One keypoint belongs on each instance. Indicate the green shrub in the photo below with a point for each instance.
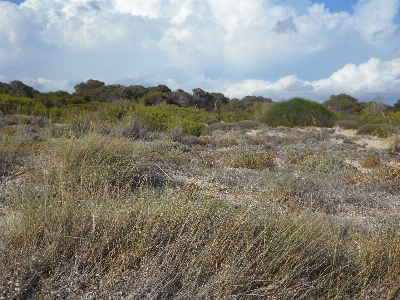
(391, 118)
(236, 111)
(379, 130)
(343, 103)
(248, 160)
(243, 125)
(325, 164)
(164, 117)
(298, 112)
(350, 122)
(21, 105)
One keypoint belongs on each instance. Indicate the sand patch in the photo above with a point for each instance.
(365, 140)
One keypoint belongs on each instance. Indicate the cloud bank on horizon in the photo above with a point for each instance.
(277, 49)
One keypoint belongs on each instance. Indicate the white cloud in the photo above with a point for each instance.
(364, 81)
(183, 9)
(144, 8)
(373, 76)
(48, 85)
(286, 46)
(374, 18)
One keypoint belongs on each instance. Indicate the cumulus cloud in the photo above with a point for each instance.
(374, 76)
(47, 85)
(285, 26)
(374, 18)
(282, 47)
(364, 81)
(144, 8)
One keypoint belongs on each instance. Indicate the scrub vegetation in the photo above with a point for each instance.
(119, 192)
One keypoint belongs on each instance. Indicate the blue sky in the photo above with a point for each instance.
(274, 48)
(339, 5)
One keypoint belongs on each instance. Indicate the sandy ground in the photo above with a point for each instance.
(366, 140)
(362, 140)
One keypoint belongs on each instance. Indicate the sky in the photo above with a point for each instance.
(273, 48)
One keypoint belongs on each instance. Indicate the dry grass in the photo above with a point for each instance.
(105, 216)
(249, 160)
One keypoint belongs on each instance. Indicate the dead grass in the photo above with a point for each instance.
(103, 215)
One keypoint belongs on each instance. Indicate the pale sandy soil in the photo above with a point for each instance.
(362, 140)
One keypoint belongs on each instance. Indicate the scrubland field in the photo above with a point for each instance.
(244, 211)
(128, 201)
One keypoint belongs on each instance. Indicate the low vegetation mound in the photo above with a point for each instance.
(298, 112)
(343, 103)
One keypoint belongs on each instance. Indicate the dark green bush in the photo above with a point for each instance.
(343, 103)
(298, 112)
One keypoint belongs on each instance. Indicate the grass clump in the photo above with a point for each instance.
(298, 112)
(114, 163)
(370, 162)
(325, 164)
(164, 244)
(394, 143)
(249, 160)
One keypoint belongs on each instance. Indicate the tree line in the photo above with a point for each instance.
(95, 90)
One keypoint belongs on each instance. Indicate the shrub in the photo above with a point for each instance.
(379, 130)
(350, 123)
(325, 164)
(132, 127)
(244, 125)
(224, 143)
(392, 118)
(343, 103)
(164, 117)
(248, 160)
(15, 120)
(370, 162)
(298, 112)
(176, 134)
(80, 127)
(21, 105)
(394, 143)
(342, 137)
